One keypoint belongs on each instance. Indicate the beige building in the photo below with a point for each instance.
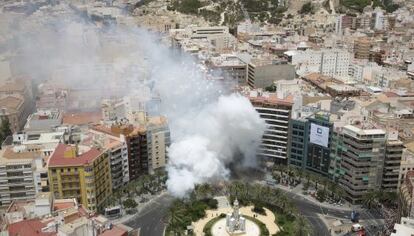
(362, 47)
(16, 103)
(22, 174)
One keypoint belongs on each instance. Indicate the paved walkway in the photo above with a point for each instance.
(268, 219)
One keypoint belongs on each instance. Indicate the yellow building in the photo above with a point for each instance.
(82, 173)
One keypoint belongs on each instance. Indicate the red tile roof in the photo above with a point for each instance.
(58, 206)
(57, 158)
(82, 118)
(28, 227)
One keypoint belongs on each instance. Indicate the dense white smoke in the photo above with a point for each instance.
(210, 127)
(221, 131)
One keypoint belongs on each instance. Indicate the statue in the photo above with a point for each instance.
(235, 224)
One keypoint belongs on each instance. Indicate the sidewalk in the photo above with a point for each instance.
(125, 218)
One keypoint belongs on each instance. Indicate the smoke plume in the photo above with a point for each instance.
(210, 126)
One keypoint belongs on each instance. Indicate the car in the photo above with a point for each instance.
(357, 228)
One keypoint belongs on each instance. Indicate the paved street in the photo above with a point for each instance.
(151, 220)
(311, 210)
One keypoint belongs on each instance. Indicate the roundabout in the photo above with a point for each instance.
(216, 222)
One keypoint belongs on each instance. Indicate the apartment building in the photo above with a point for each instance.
(406, 194)
(16, 103)
(407, 163)
(330, 62)
(392, 163)
(80, 172)
(117, 149)
(358, 152)
(22, 174)
(146, 144)
(276, 112)
(230, 66)
(310, 142)
(362, 48)
(262, 73)
(39, 142)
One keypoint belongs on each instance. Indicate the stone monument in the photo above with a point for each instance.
(235, 224)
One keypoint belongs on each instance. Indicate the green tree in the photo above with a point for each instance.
(130, 203)
(306, 8)
(370, 199)
(4, 129)
(301, 227)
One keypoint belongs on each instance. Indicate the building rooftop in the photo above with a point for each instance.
(12, 103)
(82, 118)
(17, 154)
(66, 155)
(266, 97)
(28, 227)
(363, 131)
(13, 86)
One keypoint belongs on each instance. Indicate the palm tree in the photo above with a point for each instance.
(176, 218)
(370, 198)
(301, 227)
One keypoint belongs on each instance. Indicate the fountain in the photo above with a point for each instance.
(235, 224)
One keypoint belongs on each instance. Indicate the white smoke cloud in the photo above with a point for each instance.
(210, 127)
(222, 130)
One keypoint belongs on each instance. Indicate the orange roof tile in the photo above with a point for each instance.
(58, 206)
(28, 227)
(82, 118)
(57, 158)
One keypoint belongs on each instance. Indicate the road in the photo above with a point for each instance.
(311, 210)
(151, 220)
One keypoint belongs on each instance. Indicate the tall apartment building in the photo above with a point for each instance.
(22, 174)
(158, 139)
(147, 144)
(231, 66)
(80, 172)
(330, 62)
(343, 22)
(362, 48)
(263, 73)
(309, 147)
(117, 149)
(392, 163)
(406, 195)
(276, 113)
(358, 155)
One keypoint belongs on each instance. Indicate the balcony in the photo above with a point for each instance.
(69, 173)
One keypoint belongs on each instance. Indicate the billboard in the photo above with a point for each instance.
(319, 135)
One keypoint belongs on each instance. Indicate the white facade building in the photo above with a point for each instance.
(331, 62)
(20, 178)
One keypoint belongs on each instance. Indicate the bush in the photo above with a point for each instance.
(258, 208)
(130, 203)
(306, 8)
(211, 203)
(321, 195)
